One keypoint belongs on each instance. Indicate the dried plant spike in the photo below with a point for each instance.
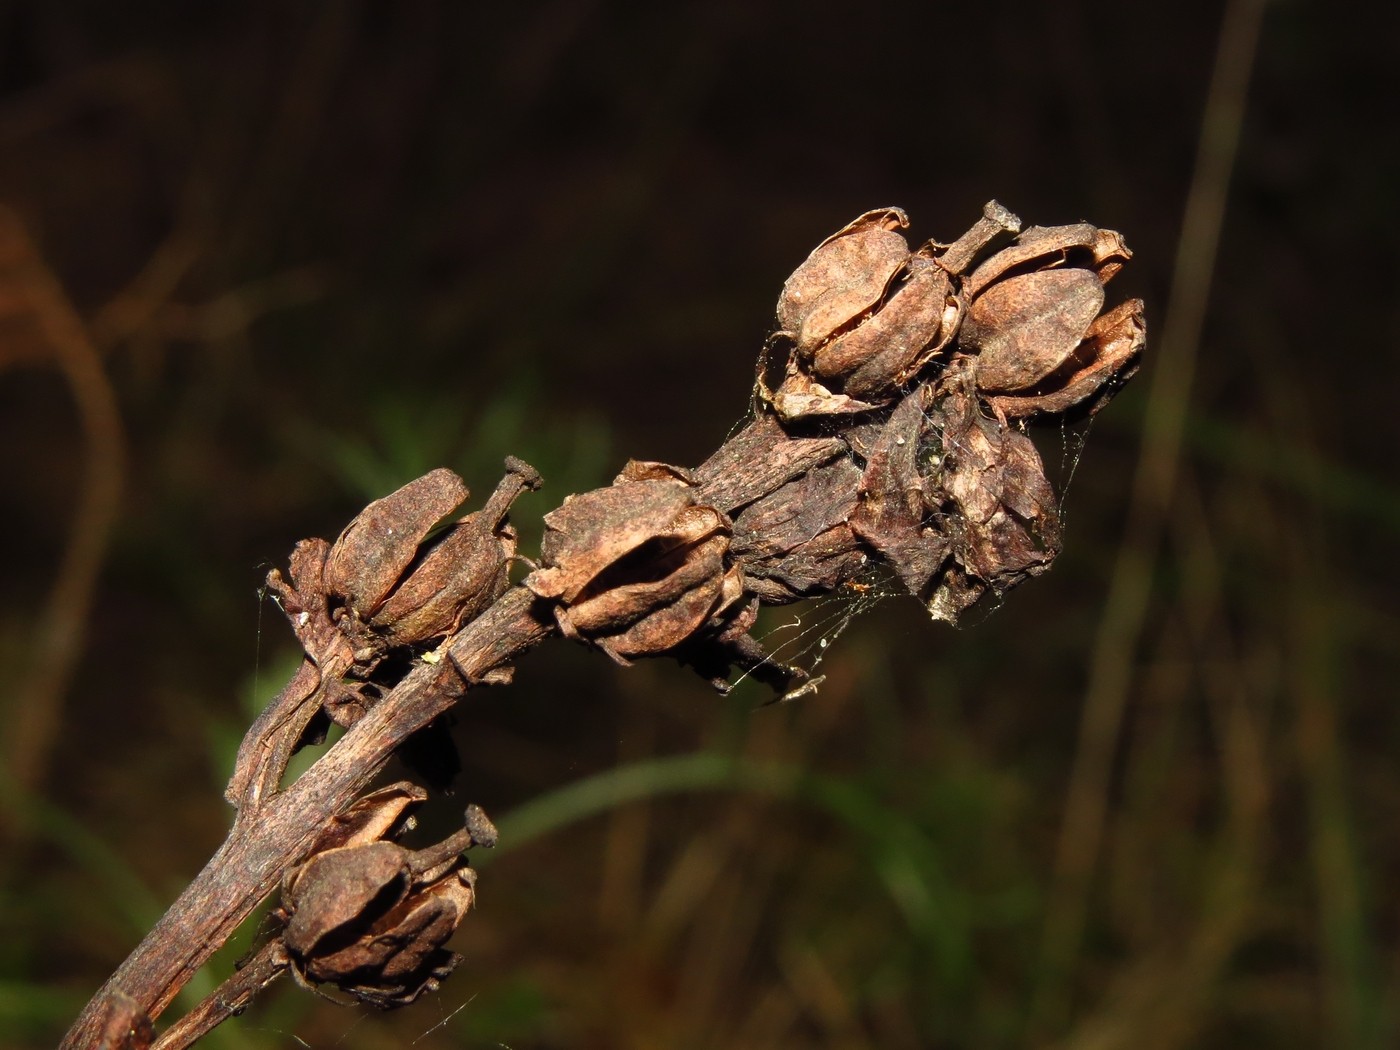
(888, 438)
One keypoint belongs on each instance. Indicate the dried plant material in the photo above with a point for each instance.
(1050, 247)
(997, 507)
(302, 598)
(1105, 360)
(373, 551)
(759, 460)
(895, 514)
(125, 1025)
(795, 542)
(898, 339)
(863, 316)
(800, 396)
(950, 497)
(389, 588)
(1034, 320)
(887, 435)
(1025, 327)
(460, 572)
(381, 814)
(843, 278)
(372, 918)
(636, 568)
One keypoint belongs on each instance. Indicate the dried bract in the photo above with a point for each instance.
(302, 597)
(370, 557)
(639, 567)
(843, 278)
(381, 814)
(1103, 361)
(1025, 327)
(863, 316)
(895, 515)
(372, 917)
(1034, 321)
(461, 572)
(391, 588)
(988, 490)
(896, 340)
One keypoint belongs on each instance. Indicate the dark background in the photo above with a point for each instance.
(281, 258)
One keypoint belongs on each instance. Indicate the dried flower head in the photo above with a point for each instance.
(941, 487)
(373, 918)
(639, 567)
(392, 585)
(864, 317)
(1035, 321)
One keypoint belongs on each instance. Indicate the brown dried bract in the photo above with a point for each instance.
(1103, 361)
(371, 917)
(389, 585)
(639, 567)
(391, 588)
(843, 278)
(992, 499)
(373, 551)
(1034, 321)
(895, 512)
(863, 316)
(896, 341)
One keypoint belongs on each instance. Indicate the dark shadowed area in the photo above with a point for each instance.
(262, 263)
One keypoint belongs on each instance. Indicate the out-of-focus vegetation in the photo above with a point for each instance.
(315, 250)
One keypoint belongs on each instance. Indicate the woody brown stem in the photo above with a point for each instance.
(269, 836)
(230, 999)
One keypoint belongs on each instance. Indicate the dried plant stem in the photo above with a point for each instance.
(266, 838)
(228, 1000)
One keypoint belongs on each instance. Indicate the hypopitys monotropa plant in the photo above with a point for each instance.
(887, 435)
